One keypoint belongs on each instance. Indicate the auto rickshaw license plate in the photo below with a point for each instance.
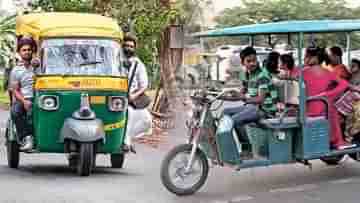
(97, 99)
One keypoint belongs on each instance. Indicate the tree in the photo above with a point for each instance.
(7, 36)
(262, 11)
(145, 19)
(191, 13)
(63, 5)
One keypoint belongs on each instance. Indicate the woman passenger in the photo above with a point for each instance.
(355, 72)
(349, 104)
(289, 73)
(321, 82)
(334, 63)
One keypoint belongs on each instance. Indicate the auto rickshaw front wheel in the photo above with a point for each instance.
(174, 174)
(117, 160)
(13, 153)
(85, 162)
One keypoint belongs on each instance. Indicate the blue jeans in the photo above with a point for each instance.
(242, 115)
(20, 117)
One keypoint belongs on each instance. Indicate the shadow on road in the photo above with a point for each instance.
(62, 171)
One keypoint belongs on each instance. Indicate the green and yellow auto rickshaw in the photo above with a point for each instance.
(80, 92)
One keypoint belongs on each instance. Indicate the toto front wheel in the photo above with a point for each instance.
(174, 175)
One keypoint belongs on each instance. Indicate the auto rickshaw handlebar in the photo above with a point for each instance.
(203, 96)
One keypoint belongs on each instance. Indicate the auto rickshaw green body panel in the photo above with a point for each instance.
(49, 123)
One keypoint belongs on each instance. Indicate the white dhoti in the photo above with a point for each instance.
(139, 124)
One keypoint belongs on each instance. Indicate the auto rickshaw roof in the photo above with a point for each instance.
(57, 24)
(284, 27)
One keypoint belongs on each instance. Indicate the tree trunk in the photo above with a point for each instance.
(167, 69)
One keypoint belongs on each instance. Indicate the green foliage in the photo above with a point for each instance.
(262, 11)
(63, 5)
(147, 20)
(7, 33)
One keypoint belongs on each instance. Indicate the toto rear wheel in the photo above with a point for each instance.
(355, 156)
(332, 160)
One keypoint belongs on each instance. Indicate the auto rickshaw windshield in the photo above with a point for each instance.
(82, 57)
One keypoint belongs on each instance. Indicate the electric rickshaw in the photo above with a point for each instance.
(282, 139)
(80, 91)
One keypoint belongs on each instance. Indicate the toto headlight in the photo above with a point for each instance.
(117, 103)
(49, 103)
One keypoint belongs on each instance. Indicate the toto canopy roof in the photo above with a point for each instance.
(309, 26)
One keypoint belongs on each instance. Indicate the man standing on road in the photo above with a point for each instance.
(139, 119)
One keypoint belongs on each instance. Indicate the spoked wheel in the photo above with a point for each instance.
(174, 175)
(117, 160)
(86, 159)
(332, 160)
(13, 153)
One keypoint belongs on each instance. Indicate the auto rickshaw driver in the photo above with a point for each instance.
(21, 87)
(260, 98)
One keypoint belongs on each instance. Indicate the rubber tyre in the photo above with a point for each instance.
(12, 151)
(164, 173)
(13, 154)
(332, 160)
(117, 160)
(73, 161)
(86, 159)
(355, 156)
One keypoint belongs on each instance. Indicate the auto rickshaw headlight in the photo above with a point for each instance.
(49, 102)
(117, 103)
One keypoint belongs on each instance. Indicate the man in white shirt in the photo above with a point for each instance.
(137, 87)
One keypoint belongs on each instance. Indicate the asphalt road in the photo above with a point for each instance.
(44, 178)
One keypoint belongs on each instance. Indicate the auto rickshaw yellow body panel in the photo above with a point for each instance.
(45, 25)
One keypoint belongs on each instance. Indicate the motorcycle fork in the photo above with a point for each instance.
(195, 138)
